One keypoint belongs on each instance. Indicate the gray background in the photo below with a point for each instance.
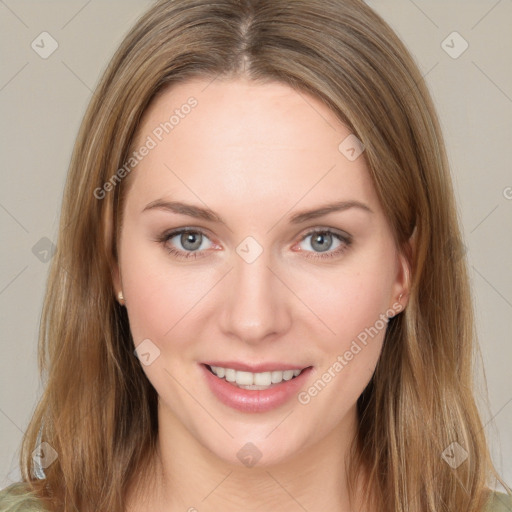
(42, 102)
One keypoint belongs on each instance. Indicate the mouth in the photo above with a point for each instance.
(268, 388)
(255, 381)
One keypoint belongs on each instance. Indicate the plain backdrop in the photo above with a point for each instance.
(42, 101)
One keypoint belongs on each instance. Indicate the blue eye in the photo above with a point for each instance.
(191, 241)
(322, 242)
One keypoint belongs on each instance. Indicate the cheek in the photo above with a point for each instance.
(346, 304)
(349, 355)
(161, 297)
(156, 302)
(350, 306)
(143, 285)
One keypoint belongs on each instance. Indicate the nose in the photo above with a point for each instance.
(257, 303)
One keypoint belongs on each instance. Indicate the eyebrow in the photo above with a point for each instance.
(198, 212)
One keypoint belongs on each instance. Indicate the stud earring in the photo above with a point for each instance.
(120, 297)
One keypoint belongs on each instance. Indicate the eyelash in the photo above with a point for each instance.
(185, 255)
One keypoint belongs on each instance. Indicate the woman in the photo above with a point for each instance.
(258, 300)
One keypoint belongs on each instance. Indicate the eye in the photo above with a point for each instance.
(187, 243)
(191, 241)
(322, 242)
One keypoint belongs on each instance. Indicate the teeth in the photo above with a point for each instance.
(244, 378)
(230, 375)
(249, 380)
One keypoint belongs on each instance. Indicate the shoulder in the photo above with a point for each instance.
(498, 502)
(17, 497)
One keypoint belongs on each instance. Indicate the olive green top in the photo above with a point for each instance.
(15, 498)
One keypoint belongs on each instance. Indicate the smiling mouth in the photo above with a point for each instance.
(254, 381)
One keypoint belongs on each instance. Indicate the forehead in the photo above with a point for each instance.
(238, 111)
(246, 142)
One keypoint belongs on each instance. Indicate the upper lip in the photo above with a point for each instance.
(255, 368)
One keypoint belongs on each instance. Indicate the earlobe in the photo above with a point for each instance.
(117, 284)
(403, 281)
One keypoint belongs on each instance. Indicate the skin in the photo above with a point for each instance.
(255, 155)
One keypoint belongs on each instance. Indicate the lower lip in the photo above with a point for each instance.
(247, 400)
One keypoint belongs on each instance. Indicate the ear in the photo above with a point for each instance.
(109, 240)
(402, 284)
(116, 278)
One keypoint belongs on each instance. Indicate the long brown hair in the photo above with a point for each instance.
(99, 411)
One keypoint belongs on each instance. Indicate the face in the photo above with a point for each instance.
(220, 265)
